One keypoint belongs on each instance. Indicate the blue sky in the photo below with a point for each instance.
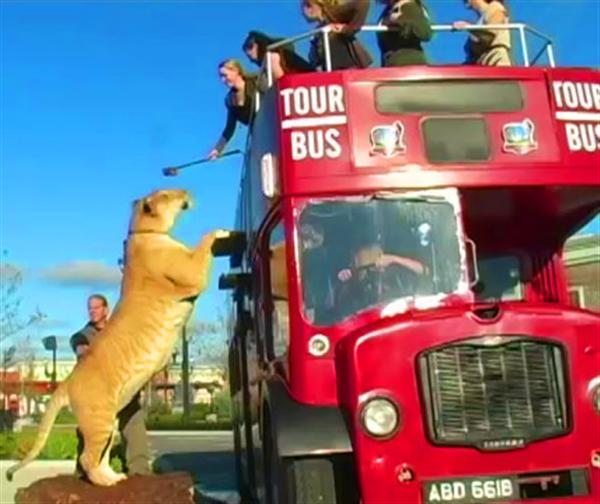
(97, 96)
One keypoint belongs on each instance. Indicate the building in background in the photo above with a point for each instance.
(204, 382)
(26, 385)
(582, 259)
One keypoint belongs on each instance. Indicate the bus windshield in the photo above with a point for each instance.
(361, 253)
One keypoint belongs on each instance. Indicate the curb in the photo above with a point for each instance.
(190, 433)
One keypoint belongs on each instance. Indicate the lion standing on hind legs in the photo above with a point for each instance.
(161, 280)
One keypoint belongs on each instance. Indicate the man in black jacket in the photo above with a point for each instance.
(131, 417)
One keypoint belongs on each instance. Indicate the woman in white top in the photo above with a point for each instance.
(488, 47)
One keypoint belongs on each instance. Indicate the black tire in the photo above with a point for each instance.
(237, 450)
(297, 481)
(312, 481)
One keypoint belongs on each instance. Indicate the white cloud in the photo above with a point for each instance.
(83, 274)
(9, 271)
(47, 324)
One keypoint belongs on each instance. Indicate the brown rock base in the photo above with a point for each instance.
(174, 488)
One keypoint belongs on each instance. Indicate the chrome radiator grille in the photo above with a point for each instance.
(494, 396)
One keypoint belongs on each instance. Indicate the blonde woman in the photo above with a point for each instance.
(488, 47)
(239, 100)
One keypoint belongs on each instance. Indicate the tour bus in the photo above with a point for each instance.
(401, 328)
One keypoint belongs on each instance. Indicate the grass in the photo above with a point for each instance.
(62, 441)
(61, 445)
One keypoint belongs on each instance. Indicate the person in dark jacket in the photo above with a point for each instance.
(345, 18)
(239, 101)
(131, 418)
(283, 60)
(409, 27)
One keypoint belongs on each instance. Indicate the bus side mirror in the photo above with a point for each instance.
(233, 281)
(231, 246)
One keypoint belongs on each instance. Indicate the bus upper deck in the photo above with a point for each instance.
(428, 126)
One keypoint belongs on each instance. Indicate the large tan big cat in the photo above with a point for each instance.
(161, 280)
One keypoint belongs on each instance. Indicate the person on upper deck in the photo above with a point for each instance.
(345, 18)
(410, 26)
(283, 60)
(487, 47)
(239, 101)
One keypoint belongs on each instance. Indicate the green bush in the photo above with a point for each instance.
(222, 404)
(191, 426)
(175, 421)
(200, 411)
(159, 408)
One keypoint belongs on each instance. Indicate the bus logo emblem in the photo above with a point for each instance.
(388, 141)
(519, 137)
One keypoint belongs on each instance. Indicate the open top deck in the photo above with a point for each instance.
(419, 127)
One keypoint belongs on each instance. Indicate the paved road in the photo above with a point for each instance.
(208, 456)
(181, 442)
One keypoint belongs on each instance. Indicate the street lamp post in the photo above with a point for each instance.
(185, 376)
(50, 345)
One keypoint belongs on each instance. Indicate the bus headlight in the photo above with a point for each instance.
(319, 345)
(380, 417)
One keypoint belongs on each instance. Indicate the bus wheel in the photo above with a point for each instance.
(237, 450)
(297, 481)
(312, 481)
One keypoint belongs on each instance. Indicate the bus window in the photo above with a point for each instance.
(279, 291)
(500, 279)
(362, 253)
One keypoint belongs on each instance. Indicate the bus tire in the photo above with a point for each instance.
(297, 480)
(237, 450)
(312, 480)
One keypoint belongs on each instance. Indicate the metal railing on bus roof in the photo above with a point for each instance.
(521, 28)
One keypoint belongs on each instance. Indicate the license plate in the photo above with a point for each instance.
(471, 490)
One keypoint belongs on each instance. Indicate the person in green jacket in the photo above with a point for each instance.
(409, 26)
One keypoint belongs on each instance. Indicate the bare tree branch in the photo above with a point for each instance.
(11, 321)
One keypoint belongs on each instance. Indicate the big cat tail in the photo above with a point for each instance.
(59, 399)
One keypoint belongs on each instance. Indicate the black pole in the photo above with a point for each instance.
(185, 376)
(54, 368)
(172, 171)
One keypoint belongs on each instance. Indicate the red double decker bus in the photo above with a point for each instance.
(401, 325)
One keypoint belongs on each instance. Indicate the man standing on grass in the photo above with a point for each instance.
(131, 417)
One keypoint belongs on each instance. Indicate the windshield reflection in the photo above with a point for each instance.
(357, 254)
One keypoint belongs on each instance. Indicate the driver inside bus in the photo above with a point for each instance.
(376, 277)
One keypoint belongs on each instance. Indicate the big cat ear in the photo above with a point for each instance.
(135, 202)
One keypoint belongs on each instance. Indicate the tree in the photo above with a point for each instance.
(210, 343)
(193, 329)
(11, 322)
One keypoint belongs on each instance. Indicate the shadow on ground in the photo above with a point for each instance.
(213, 474)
